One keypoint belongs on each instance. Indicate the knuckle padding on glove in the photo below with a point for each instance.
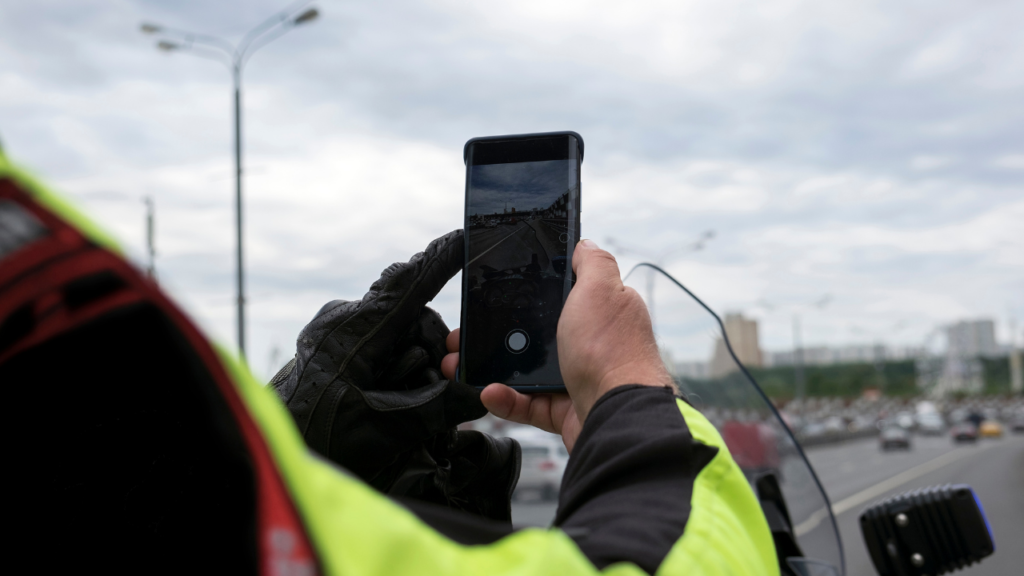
(424, 347)
(374, 426)
(411, 361)
(387, 401)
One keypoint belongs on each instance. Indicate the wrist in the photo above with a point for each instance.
(651, 374)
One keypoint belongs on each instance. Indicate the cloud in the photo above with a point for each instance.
(925, 163)
(1010, 162)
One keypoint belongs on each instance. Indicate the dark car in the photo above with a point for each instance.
(964, 432)
(894, 437)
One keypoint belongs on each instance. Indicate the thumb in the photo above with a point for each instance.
(594, 265)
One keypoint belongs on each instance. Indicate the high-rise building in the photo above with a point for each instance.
(743, 336)
(972, 338)
(961, 371)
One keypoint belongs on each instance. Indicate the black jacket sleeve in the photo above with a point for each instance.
(626, 492)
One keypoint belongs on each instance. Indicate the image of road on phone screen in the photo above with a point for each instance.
(518, 221)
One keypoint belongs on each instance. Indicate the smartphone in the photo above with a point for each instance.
(522, 224)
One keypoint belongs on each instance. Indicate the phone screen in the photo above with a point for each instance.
(522, 223)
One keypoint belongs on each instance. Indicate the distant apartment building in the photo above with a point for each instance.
(743, 336)
(960, 370)
(824, 356)
(972, 338)
(694, 370)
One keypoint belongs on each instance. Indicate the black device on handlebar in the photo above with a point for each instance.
(928, 531)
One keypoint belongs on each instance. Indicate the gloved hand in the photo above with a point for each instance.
(366, 391)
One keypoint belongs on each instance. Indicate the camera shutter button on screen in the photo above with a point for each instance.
(517, 341)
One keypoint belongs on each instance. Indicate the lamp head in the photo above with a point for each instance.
(167, 45)
(149, 28)
(307, 16)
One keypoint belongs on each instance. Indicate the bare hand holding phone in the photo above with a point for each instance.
(605, 340)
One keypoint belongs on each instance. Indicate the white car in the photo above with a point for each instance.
(931, 424)
(544, 461)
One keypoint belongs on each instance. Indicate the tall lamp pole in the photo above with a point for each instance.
(798, 348)
(235, 56)
(150, 237)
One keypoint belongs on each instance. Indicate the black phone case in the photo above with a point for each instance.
(465, 224)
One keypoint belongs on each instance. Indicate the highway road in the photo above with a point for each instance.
(856, 474)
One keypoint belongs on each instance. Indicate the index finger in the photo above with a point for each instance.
(397, 298)
(544, 411)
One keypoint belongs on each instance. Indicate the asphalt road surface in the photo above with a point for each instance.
(857, 474)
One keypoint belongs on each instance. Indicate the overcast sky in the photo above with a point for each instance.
(870, 150)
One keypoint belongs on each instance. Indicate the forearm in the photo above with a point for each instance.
(627, 490)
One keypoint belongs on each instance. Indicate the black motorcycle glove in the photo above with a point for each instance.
(365, 391)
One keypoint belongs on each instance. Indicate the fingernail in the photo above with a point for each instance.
(588, 243)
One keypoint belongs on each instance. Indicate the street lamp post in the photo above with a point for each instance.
(659, 260)
(798, 363)
(150, 237)
(798, 352)
(798, 347)
(235, 57)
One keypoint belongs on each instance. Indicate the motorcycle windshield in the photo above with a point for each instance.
(693, 347)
